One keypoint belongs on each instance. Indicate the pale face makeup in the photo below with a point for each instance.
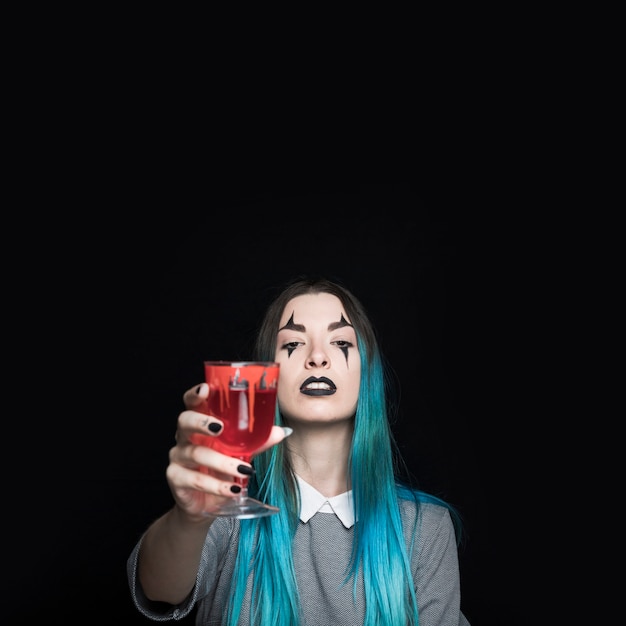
(320, 367)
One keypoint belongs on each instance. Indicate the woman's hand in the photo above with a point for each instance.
(199, 477)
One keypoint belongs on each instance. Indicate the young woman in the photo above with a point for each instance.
(351, 545)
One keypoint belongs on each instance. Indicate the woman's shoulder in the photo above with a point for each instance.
(431, 511)
(430, 522)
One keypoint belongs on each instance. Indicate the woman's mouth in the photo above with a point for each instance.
(318, 386)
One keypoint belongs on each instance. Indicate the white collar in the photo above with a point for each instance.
(312, 502)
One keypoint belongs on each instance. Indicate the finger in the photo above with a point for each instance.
(182, 478)
(276, 436)
(207, 459)
(193, 422)
(196, 396)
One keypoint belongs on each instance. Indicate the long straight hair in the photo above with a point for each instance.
(379, 549)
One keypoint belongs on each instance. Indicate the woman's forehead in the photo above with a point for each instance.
(320, 308)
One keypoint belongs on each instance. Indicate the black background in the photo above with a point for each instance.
(132, 301)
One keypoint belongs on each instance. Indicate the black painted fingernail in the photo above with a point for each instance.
(214, 427)
(245, 469)
(235, 488)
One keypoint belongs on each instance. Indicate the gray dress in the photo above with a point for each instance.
(321, 552)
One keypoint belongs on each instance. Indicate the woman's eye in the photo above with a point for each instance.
(291, 345)
(343, 344)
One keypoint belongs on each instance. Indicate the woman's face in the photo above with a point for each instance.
(320, 368)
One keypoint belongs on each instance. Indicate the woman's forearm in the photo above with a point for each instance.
(170, 556)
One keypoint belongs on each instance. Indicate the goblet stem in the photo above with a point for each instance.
(243, 483)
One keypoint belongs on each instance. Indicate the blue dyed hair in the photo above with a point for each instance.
(379, 549)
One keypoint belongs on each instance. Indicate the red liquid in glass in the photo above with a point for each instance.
(246, 402)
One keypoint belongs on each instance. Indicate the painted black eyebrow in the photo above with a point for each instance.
(291, 325)
(343, 322)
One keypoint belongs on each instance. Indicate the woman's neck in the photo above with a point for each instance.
(320, 455)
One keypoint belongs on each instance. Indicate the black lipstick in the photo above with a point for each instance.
(322, 386)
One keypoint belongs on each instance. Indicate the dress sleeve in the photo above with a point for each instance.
(156, 611)
(213, 556)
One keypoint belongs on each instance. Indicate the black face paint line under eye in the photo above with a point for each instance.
(344, 349)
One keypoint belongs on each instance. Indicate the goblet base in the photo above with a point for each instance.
(242, 508)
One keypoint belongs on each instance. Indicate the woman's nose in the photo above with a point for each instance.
(318, 358)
